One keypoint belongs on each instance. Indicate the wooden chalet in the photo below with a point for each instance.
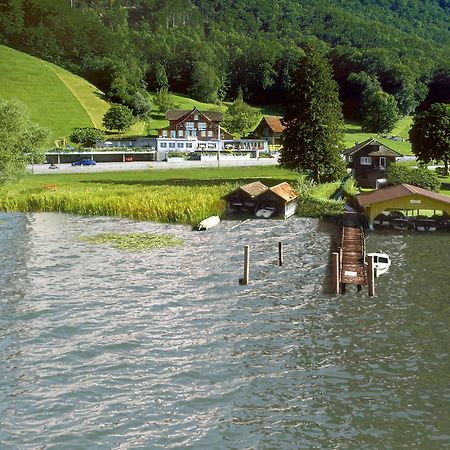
(269, 128)
(243, 199)
(282, 197)
(369, 161)
(194, 124)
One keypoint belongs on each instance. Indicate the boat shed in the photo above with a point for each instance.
(282, 197)
(243, 199)
(402, 197)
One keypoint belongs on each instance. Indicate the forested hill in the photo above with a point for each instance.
(210, 49)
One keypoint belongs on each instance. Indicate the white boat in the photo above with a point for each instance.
(381, 262)
(266, 212)
(208, 223)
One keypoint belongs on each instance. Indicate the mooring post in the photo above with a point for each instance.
(246, 265)
(280, 253)
(335, 268)
(371, 276)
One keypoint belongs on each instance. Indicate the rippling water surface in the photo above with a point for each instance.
(164, 349)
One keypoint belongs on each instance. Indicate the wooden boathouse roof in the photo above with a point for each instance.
(285, 191)
(252, 190)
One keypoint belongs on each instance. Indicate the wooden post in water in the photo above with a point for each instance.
(280, 253)
(336, 274)
(371, 276)
(246, 266)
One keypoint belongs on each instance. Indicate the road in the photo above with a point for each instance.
(145, 165)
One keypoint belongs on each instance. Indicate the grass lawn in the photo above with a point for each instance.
(33, 82)
(177, 195)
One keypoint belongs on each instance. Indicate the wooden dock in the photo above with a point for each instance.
(352, 252)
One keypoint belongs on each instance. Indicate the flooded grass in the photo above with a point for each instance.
(134, 242)
(171, 196)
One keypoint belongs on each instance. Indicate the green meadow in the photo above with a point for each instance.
(33, 81)
(178, 195)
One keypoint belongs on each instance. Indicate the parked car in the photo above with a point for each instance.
(84, 162)
(128, 159)
(53, 166)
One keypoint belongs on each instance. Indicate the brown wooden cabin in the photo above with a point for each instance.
(269, 128)
(194, 124)
(369, 161)
(282, 197)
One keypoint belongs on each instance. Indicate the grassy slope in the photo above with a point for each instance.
(50, 102)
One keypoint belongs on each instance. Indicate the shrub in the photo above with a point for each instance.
(420, 176)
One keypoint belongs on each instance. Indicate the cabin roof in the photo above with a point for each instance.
(176, 114)
(383, 150)
(275, 123)
(254, 189)
(285, 191)
(397, 191)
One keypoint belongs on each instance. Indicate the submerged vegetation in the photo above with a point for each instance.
(134, 241)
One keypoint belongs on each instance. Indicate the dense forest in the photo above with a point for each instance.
(211, 49)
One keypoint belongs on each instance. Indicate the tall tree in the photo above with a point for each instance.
(379, 111)
(313, 138)
(21, 140)
(118, 117)
(430, 134)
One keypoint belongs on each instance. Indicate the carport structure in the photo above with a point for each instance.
(402, 197)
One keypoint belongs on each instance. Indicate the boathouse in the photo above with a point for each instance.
(243, 199)
(282, 197)
(402, 197)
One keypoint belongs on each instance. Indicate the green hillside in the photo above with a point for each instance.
(56, 98)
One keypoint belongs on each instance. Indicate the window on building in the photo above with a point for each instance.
(188, 144)
(163, 144)
(210, 133)
(189, 125)
(171, 144)
(366, 161)
(194, 133)
(164, 133)
(201, 126)
(195, 116)
(180, 133)
(180, 144)
(173, 134)
(203, 133)
(350, 158)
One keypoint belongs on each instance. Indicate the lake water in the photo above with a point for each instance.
(103, 349)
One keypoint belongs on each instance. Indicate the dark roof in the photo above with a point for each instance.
(175, 114)
(397, 191)
(285, 191)
(383, 150)
(274, 123)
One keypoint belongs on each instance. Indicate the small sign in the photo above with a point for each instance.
(414, 201)
(350, 274)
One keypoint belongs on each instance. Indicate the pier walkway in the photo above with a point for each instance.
(352, 252)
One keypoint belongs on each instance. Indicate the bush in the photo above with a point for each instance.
(421, 177)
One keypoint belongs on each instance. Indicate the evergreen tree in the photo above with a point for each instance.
(313, 138)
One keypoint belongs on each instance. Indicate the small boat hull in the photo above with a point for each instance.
(381, 263)
(208, 223)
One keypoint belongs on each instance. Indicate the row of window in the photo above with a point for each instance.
(188, 133)
(175, 145)
(191, 126)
